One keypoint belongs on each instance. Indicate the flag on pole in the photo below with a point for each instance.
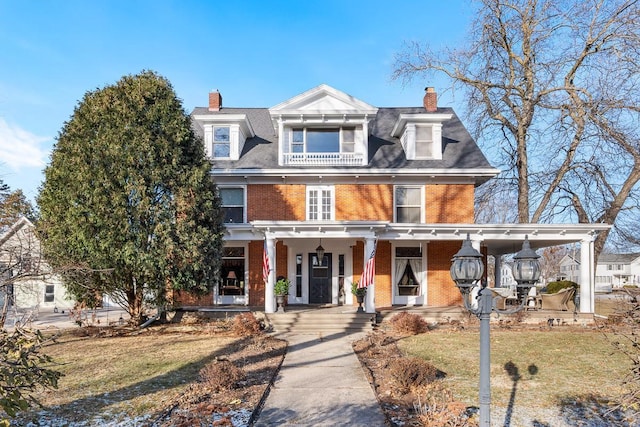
(369, 269)
(266, 269)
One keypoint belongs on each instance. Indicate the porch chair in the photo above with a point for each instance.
(558, 301)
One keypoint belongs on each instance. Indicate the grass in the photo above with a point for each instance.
(542, 367)
(125, 376)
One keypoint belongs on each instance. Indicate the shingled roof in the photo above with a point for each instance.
(385, 151)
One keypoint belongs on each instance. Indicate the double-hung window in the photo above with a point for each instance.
(408, 204)
(424, 142)
(233, 203)
(320, 203)
(221, 142)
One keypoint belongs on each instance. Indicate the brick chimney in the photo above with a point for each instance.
(215, 101)
(430, 101)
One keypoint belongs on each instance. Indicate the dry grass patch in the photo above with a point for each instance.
(126, 376)
(540, 367)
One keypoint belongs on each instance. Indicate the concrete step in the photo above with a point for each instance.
(320, 321)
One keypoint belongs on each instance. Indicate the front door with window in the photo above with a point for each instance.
(320, 279)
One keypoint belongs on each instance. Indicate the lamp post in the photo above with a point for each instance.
(466, 270)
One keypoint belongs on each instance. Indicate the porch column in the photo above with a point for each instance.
(587, 277)
(269, 295)
(497, 271)
(476, 289)
(370, 300)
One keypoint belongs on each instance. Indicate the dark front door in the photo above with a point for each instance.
(320, 280)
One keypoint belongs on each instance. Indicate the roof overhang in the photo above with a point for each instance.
(498, 239)
(227, 119)
(403, 119)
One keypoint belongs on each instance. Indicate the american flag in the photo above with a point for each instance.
(369, 269)
(265, 264)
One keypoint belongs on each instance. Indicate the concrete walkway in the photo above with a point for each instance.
(321, 383)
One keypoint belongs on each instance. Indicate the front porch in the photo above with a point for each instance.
(341, 319)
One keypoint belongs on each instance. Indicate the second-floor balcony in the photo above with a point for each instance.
(323, 159)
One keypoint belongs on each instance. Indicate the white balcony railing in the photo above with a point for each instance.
(323, 159)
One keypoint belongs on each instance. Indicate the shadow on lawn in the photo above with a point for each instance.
(92, 406)
(591, 410)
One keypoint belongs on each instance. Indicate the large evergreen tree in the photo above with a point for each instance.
(128, 207)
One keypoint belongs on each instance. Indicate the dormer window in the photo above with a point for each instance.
(221, 142)
(424, 142)
(421, 135)
(225, 134)
(323, 127)
(323, 140)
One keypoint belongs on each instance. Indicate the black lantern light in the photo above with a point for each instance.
(526, 268)
(320, 253)
(466, 267)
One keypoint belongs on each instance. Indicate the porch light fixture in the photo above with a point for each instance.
(466, 271)
(320, 253)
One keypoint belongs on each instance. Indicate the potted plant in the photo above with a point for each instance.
(359, 293)
(281, 289)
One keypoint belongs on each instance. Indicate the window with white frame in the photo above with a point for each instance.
(408, 271)
(320, 203)
(232, 271)
(233, 204)
(424, 141)
(221, 142)
(323, 140)
(408, 204)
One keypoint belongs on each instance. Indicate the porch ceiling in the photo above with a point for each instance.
(497, 238)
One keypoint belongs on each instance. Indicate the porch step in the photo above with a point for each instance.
(321, 321)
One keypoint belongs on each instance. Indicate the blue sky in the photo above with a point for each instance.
(256, 53)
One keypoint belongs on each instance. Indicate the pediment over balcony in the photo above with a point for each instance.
(321, 100)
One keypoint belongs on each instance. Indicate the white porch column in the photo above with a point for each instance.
(587, 277)
(370, 301)
(269, 295)
(474, 291)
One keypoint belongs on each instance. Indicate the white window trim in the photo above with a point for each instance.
(424, 277)
(357, 130)
(320, 188)
(244, 200)
(422, 201)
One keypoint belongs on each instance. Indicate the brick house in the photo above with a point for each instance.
(324, 169)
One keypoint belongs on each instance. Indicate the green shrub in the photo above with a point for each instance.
(555, 287)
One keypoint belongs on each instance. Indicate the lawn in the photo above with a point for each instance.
(108, 380)
(537, 368)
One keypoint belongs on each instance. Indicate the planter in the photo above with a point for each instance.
(280, 301)
(360, 300)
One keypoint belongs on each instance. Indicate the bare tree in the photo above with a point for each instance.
(552, 92)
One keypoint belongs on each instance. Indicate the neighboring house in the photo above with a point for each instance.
(26, 278)
(313, 186)
(614, 271)
(570, 268)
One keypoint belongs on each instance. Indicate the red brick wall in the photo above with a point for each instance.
(383, 274)
(182, 298)
(449, 203)
(442, 290)
(364, 202)
(278, 202)
(256, 284)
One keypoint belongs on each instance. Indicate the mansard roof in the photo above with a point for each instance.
(461, 155)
